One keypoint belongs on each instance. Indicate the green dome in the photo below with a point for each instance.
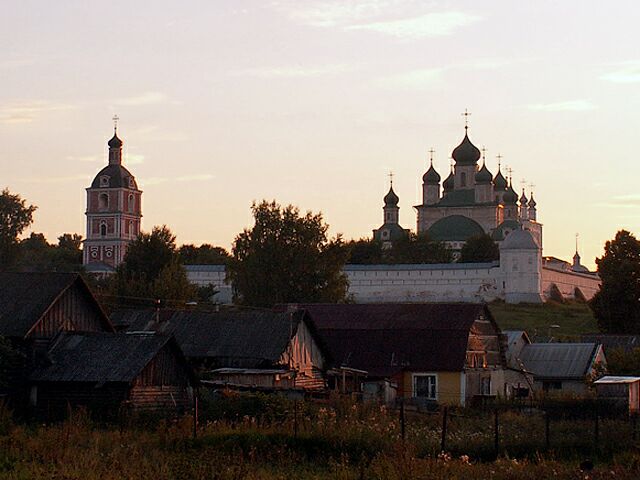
(391, 199)
(454, 228)
(499, 182)
(431, 177)
(484, 175)
(448, 184)
(466, 153)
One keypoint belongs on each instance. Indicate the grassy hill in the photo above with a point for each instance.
(573, 318)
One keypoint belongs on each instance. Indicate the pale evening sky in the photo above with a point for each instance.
(314, 102)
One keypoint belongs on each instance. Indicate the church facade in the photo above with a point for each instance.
(113, 212)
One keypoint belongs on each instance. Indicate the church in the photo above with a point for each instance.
(113, 212)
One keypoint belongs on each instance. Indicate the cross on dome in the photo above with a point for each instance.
(466, 118)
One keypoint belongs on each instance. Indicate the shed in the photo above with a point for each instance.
(432, 352)
(621, 390)
(563, 366)
(106, 371)
(244, 341)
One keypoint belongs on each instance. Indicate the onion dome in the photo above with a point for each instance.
(466, 153)
(523, 199)
(431, 177)
(449, 183)
(532, 202)
(484, 175)
(391, 199)
(510, 197)
(115, 142)
(499, 182)
(519, 240)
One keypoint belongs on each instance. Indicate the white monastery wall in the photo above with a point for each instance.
(567, 282)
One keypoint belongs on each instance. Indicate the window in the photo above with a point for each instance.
(424, 386)
(485, 386)
(103, 229)
(131, 203)
(463, 179)
(103, 201)
(104, 181)
(130, 228)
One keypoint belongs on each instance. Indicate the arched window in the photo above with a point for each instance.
(463, 179)
(131, 203)
(103, 229)
(103, 201)
(131, 228)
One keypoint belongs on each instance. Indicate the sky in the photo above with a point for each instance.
(313, 103)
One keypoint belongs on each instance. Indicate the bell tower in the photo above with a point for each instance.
(114, 212)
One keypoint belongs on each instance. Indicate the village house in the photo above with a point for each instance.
(622, 391)
(34, 308)
(450, 353)
(111, 372)
(243, 350)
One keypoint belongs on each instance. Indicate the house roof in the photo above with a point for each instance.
(96, 357)
(612, 342)
(231, 339)
(515, 335)
(384, 339)
(616, 380)
(26, 296)
(559, 360)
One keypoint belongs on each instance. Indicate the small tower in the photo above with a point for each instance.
(499, 183)
(532, 209)
(577, 265)
(524, 206)
(390, 229)
(483, 183)
(521, 267)
(113, 212)
(510, 199)
(466, 156)
(431, 184)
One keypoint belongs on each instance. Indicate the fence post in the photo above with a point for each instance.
(547, 430)
(443, 440)
(402, 431)
(496, 429)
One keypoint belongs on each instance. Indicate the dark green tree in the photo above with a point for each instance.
(365, 252)
(205, 254)
(616, 305)
(151, 270)
(286, 257)
(418, 249)
(478, 249)
(15, 217)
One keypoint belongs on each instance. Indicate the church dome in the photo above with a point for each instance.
(115, 142)
(391, 199)
(519, 240)
(499, 182)
(454, 228)
(510, 197)
(431, 177)
(466, 153)
(449, 183)
(114, 176)
(484, 175)
(532, 202)
(523, 199)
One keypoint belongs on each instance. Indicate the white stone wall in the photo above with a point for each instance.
(202, 275)
(568, 281)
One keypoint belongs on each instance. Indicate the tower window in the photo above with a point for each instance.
(103, 229)
(463, 179)
(103, 201)
(104, 181)
(131, 229)
(131, 204)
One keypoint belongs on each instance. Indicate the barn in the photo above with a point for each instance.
(109, 372)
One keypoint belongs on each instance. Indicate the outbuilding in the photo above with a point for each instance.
(622, 390)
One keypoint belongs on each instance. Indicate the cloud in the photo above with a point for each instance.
(146, 98)
(16, 62)
(198, 177)
(338, 13)
(27, 111)
(420, 78)
(631, 200)
(133, 159)
(627, 72)
(428, 25)
(86, 158)
(53, 179)
(296, 71)
(568, 106)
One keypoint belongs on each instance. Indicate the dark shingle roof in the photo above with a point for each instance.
(559, 360)
(118, 177)
(454, 228)
(229, 339)
(25, 297)
(386, 338)
(99, 357)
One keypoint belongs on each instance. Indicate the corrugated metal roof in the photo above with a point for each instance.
(99, 357)
(228, 339)
(558, 360)
(384, 339)
(611, 342)
(616, 380)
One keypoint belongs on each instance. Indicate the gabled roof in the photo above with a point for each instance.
(230, 339)
(607, 379)
(612, 342)
(97, 357)
(384, 339)
(26, 296)
(559, 360)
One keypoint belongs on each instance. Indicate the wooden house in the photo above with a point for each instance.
(438, 352)
(621, 390)
(261, 349)
(34, 308)
(109, 372)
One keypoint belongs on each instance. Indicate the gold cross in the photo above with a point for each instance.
(484, 150)
(466, 118)
(115, 122)
(431, 152)
(499, 157)
(391, 178)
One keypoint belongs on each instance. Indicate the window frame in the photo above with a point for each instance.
(432, 387)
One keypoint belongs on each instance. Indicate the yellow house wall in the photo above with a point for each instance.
(448, 386)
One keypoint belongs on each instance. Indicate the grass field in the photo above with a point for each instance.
(572, 319)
